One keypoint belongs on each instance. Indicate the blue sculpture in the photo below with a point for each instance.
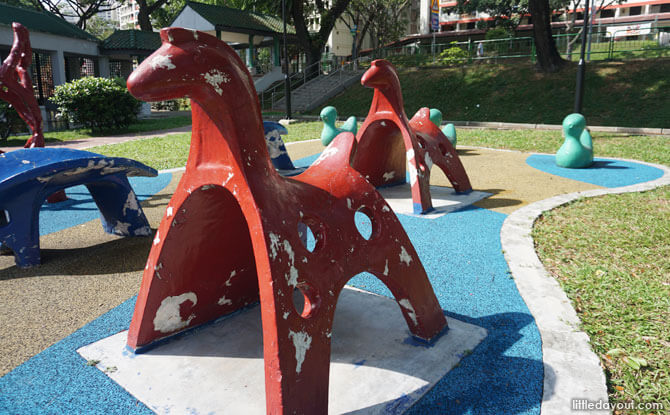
(448, 130)
(28, 176)
(278, 154)
(329, 116)
(577, 149)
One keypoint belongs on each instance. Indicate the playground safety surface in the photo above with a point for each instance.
(84, 290)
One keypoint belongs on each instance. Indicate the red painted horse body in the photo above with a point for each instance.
(387, 142)
(231, 231)
(16, 88)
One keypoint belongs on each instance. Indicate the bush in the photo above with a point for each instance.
(453, 55)
(96, 103)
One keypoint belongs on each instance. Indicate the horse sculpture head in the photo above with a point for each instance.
(194, 64)
(201, 67)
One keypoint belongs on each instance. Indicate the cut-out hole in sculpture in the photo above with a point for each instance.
(4, 218)
(363, 221)
(305, 300)
(310, 233)
(421, 142)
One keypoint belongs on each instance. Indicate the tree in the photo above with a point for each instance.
(100, 27)
(548, 58)
(312, 43)
(382, 18)
(81, 10)
(572, 22)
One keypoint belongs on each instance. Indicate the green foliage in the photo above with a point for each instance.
(454, 55)
(10, 122)
(96, 103)
(100, 27)
(498, 33)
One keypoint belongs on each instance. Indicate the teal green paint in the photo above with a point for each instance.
(448, 130)
(275, 50)
(577, 149)
(330, 131)
(250, 52)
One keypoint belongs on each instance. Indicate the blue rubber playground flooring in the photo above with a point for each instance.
(462, 255)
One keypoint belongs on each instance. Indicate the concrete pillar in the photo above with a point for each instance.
(424, 17)
(58, 67)
(103, 66)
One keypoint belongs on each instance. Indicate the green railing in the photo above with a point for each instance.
(650, 42)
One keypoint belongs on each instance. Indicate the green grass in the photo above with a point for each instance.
(172, 151)
(611, 256)
(159, 152)
(169, 152)
(653, 149)
(627, 94)
(145, 125)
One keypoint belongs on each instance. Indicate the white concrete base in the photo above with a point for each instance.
(445, 200)
(218, 369)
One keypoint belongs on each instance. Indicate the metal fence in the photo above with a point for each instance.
(609, 44)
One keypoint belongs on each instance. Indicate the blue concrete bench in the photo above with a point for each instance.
(28, 176)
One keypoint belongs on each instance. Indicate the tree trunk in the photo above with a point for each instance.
(143, 16)
(309, 45)
(548, 58)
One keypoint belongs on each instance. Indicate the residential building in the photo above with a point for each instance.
(127, 15)
(640, 14)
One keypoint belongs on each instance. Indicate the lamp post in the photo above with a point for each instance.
(287, 81)
(581, 68)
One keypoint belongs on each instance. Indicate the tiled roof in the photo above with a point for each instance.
(41, 21)
(132, 40)
(225, 17)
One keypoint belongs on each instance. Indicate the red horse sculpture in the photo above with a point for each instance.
(231, 233)
(16, 88)
(387, 142)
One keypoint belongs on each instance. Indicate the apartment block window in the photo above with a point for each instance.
(634, 11)
(606, 13)
(665, 8)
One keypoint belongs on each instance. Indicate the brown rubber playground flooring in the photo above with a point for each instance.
(86, 272)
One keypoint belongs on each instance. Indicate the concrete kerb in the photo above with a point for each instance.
(572, 369)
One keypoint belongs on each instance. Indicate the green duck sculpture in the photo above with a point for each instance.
(329, 116)
(577, 149)
(448, 130)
